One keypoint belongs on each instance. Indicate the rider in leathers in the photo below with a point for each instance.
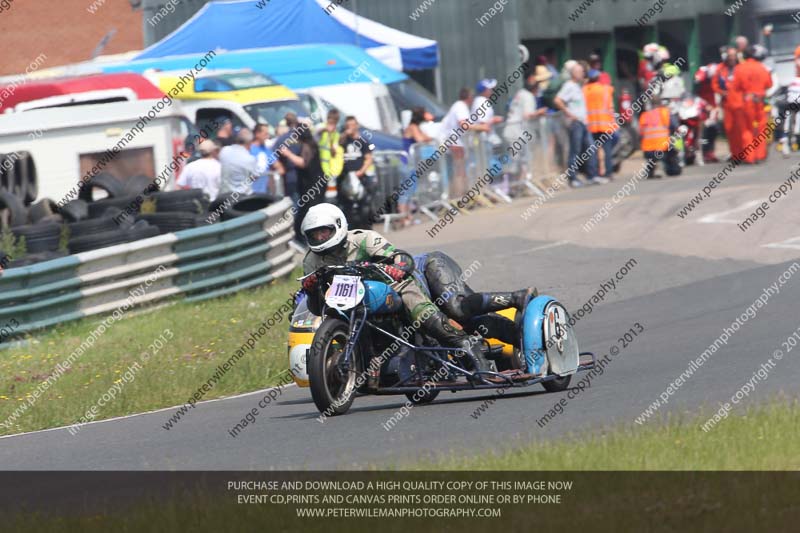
(330, 243)
(444, 282)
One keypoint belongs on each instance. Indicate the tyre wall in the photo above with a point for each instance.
(198, 264)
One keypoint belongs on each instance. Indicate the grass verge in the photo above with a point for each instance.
(196, 338)
(765, 437)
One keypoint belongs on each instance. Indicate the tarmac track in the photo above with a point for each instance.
(690, 281)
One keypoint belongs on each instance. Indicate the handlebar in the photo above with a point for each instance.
(368, 270)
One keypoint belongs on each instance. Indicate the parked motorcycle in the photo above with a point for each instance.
(692, 113)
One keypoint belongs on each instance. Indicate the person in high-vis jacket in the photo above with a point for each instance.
(655, 126)
(733, 118)
(330, 243)
(600, 118)
(331, 155)
(752, 79)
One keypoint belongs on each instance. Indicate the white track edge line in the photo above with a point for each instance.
(132, 415)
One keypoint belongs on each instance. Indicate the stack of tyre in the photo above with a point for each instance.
(44, 230)
(18, 176)
(228, 206)
(108, 211)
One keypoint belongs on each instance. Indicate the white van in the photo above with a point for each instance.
(68, 144)
(370, 102)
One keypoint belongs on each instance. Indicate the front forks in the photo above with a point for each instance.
(356, 324)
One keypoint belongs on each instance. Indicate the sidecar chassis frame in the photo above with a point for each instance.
(404, 386)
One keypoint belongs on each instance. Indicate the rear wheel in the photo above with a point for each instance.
(557, 385)
(624, 147)
(332, 389)
(422, 396)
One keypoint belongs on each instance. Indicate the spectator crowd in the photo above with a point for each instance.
(333, 161)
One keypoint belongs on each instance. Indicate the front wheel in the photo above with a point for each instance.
(332, 388)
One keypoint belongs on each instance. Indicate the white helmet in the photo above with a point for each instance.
(352, 188)
(650, 50)
(324, 216)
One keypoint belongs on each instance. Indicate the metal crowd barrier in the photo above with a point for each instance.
(527, 164)
(432, 188)
(390, 170)
(275, 185)
(540, 158)
(197, 263)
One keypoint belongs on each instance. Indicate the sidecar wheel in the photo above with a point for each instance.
(557, 385)
(510, 362)
(421, 397)
(333, 394)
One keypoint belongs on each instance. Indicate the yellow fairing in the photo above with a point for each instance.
(511, 314)
(299, 342)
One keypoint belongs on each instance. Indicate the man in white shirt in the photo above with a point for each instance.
(458, 117)
(571, 102)
(454, 125)
(239, 166)
(522, 111)
(482, 106)
(203, 173)
(523, 106)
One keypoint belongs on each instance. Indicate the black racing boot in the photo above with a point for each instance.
(438, 326)
(489, 302)
(522, 297)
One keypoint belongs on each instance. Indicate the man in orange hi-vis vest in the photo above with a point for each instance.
(600, 118)
(733, 118)
(753, 79)
(654, 128)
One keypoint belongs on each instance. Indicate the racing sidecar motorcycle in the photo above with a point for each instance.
(361, 345)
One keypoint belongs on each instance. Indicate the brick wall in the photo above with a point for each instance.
(64, 31)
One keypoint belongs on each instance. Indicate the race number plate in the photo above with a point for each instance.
(345, 292)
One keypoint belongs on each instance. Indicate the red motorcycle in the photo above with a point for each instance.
(626, 106)
(692, 112)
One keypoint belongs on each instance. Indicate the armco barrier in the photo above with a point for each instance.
(197, 263)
